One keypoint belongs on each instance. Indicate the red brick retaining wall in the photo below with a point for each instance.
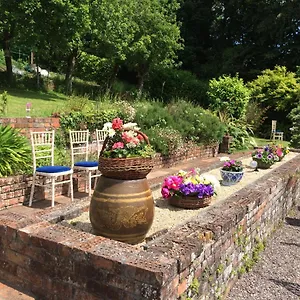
(15, 190)
(199, 259)
(25, 125)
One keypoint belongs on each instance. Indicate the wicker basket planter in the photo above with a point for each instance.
(262, 165)
(190, 202)
(125, 168)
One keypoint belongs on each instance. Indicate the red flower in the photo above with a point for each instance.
(117, 123)
(140, 137)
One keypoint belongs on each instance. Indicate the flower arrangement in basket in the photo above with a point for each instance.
(126, 152)
(189, 189)
(265, 157)
(280, 151)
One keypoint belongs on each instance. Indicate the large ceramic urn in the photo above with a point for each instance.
(122, 210)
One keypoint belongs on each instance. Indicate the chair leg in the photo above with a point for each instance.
(52, 191)
(89, 183)
(71, 187)
(32, 190)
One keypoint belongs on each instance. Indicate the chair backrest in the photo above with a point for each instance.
(79, 142)
(42, 145)
(273, 126)
(100, 137)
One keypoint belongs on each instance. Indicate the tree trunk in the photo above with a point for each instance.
(70, 70)
(7, 55)
(142, 75)
(113, 76)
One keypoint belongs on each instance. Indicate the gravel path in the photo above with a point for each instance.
(277, 275)
(167, 216)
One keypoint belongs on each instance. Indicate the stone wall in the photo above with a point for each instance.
(25, 125)
(15, 190)
(200, 259)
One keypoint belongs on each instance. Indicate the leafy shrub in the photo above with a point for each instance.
(255, 115)
(3, 103)
(229, 95)
(15, 153)
(193, 122)
(164, 140)
(93, 68)
(276, 89)
(152, 113)
(167, 84)
(295, 118)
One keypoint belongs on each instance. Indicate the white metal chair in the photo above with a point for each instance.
(42, 144)
(100, 137)
(79, 142)
(274, 133)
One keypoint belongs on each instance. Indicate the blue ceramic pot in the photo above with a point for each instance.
(231, 178)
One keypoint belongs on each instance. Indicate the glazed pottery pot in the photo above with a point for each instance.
(231, 178)
(122, 210)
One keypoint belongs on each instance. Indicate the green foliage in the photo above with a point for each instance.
(295, 129)
(170, 83)
(192, 122)
(3, 103)
(15, 153)
(93, 68)
(164, 140)
(255, 115)
(276, 89)
(228, 95)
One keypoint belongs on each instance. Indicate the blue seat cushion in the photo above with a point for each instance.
(53, 169)
(86, 164)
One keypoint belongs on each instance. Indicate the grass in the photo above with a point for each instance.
(263, 142)
(43, 104)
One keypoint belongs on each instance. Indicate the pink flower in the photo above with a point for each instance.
(173, 182)
(117, 123)
(279, 152)
(118, 145)
(165, 192)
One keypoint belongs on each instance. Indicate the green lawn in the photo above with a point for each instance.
(42, 104)
(263, 142)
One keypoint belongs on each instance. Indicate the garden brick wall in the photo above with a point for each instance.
(25, 125)
(15, 190)
(200, 259)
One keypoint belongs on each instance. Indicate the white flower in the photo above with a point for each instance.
(111, 132)
(107, 126)
(132, 126)
(224, 158)
(206, 177)
(130, 145)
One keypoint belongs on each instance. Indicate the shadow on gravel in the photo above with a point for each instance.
(290, 286)
(290, 244)
(292, 221)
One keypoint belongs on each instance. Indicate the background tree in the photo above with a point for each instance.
(16, 21)
(62, 31)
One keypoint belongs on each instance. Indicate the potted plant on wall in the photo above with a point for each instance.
(264, 157)
(189, 189)
(232, 171)
(126, 152)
